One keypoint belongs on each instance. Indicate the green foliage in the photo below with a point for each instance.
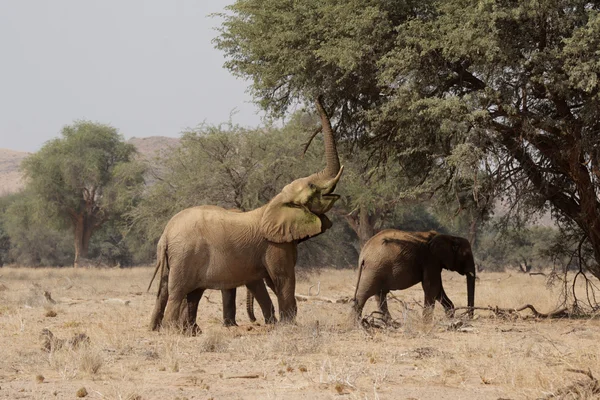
(500, 248)
(33, 241)
(85, 179)
(477, 98)
(293, 51)
(85, 164)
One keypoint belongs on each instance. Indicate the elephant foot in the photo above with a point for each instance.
(228, 323)
(193, 330)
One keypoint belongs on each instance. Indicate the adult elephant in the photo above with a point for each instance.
(396, 260)
(208, 247)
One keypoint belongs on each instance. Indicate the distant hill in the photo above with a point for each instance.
(11, 179)
(153, 145)
(10, 176)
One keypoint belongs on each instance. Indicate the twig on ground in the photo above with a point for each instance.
(504, 312)
(301, 297)
(581, 388)
(252, 376)
(318, 289)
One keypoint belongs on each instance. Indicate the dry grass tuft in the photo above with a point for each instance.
(214, 342)
(81, 392)
(90, 360)
(50, 314)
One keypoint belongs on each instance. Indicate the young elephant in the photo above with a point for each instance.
(396, 260)
(209, 247)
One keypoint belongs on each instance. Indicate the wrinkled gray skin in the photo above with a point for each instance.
(396, 260)
(209, 247)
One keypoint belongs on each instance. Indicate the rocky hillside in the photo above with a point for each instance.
(10, 176)
(153, 145)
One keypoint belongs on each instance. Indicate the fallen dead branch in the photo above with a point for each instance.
(252, 376)
(537, 273)
(343, 300)
(376, 319)
(582, 389)
(48, 297)
(514, 312)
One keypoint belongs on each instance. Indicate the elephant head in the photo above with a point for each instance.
(454, 253)
(298, 212)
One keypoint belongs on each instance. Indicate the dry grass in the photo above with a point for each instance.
(323, 356)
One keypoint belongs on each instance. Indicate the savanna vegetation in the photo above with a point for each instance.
(467, 117)
(475, 118)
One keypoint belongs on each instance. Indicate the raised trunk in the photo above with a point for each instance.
(331, 154)
(83, 230)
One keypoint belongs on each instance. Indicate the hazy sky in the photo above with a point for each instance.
(147, 67)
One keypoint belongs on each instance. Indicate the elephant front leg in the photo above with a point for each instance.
(229, 306)
(285, 288)
(280, 260)
(259, 291)
(446, 303)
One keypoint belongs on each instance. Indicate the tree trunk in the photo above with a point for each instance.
(473, 230)
(362, 224)
(83, 232)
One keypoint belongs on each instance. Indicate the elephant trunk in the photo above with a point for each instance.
(471, 292)
(331, 155)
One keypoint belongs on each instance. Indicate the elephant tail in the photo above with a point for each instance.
(162, 264)
(361, 265)
(250, 305)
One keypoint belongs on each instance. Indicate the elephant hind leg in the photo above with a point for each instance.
(190, 312)
(367, 286)
(228, 296)
(173, 311)
(381, 299)
(160, 305)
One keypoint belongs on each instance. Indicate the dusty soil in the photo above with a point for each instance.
(101, 343)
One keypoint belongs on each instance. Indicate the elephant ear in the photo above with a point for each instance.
(444, 248)
(286, 222)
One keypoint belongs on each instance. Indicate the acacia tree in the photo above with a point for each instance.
(520, 79)
(419, 81)
(85, 178)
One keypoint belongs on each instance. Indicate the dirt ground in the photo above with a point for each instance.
(99, 318)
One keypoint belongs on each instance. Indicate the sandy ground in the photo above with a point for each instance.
(321, 357)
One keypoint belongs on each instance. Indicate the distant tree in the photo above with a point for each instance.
(84, 178)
